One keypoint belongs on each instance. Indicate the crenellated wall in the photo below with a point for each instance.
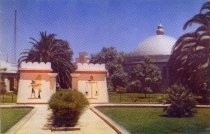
(35, 66)
(37, 82)
(90, 79)
(90, 67)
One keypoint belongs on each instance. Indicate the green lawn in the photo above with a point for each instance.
(153, 121)
(10, 116)
(135, 98)
(8, 98)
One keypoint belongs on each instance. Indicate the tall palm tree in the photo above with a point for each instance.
(191, 52)
(56, 51)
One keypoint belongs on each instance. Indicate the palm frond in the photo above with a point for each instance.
(199, 19)
(205, 6)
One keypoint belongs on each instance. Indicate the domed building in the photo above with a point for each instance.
(157, 47)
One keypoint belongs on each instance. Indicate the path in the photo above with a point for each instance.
(89, 123)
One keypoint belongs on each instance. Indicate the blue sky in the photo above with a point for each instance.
(89, 25)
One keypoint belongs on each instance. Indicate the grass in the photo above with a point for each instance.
(153, 121)
(135, 98)
(10, 116)
(8, 98)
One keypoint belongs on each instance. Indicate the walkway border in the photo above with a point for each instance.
(140, 105)
(119, 129)
(19, 124)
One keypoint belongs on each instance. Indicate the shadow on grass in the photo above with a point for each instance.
(49, 125)
(166, 116)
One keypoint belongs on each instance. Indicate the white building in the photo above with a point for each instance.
(8, 76)
(157, 47)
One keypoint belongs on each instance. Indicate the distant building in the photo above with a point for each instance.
(8, 76)
(83, 58)
(157, 47)
(90, 79)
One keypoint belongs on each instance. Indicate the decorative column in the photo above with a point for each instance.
(75, 78)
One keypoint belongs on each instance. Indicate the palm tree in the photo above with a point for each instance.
(190, 55)
(56, 51)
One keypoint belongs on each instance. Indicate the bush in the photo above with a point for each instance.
(67, 106)
(181, 102)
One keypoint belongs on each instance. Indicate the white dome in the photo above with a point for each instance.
(156, 45)
(159, 44)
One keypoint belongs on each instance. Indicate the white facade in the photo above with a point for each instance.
(37, 83)
(8, 75)
(90, 79)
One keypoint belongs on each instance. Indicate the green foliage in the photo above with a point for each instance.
(181, 102)
(107, 55)
(113, 61)
(148, 74)
(56, 51)
(189, 61)
(67, 105)
(134, 86)
(119, 78)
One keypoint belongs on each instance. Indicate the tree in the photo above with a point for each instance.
(119, 78)
(190, 56)
(148, 74)
(181, 102)
(56, 51)
(120, 90)
(134, 86)
(113, 61)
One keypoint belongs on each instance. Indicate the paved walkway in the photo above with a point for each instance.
(38, 123)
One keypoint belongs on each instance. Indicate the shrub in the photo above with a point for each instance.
(181, 102)
(67, 106)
